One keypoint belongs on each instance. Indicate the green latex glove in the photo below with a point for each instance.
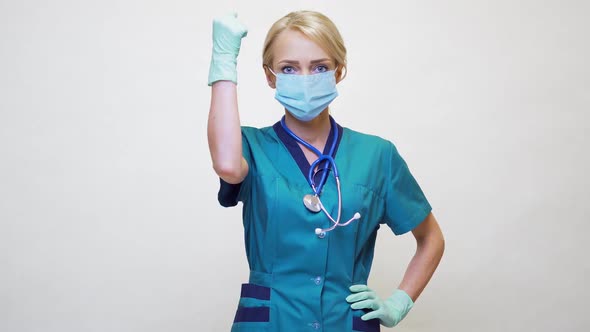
(390, 311)
(227, 38)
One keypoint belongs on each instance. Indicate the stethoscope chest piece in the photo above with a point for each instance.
(312, 203)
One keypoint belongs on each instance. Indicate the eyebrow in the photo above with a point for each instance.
(312, 61)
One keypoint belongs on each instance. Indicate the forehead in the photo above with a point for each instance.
(294, 45)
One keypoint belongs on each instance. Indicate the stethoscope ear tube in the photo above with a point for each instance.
(336, 223)
(356, 216)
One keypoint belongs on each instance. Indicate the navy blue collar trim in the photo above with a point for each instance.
(296, 151)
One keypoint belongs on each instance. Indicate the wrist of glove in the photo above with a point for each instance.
(223, 68)
(390, 311)
(227, 39)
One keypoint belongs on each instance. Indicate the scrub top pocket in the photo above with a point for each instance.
(253, 313)
(359, 325)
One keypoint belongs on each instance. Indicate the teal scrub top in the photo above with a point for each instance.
(299, 280)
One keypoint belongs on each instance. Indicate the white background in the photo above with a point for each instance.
(108, 212)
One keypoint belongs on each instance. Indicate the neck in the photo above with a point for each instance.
(314, 132)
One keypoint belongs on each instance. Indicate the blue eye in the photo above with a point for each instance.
(320, 69)
(288, 70)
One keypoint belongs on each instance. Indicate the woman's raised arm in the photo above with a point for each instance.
(223, 127)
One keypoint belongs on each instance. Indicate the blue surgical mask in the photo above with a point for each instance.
(306, 96)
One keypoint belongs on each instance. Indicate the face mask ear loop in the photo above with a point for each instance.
(267, 67)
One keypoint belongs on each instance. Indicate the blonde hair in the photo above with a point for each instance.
(315, 26)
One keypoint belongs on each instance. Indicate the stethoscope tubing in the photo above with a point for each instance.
(311, 175)
(321, 157)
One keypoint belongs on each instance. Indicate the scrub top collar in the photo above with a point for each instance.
(296, 152)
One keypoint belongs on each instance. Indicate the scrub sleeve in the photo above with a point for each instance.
(406, 205)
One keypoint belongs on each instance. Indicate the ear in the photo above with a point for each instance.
(270, 77)
(340, 73)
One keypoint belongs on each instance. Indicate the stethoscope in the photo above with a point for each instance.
(312, 201)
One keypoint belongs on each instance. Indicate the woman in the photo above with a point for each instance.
(309, 238)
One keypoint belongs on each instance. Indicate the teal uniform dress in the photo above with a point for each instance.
(299, 280)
